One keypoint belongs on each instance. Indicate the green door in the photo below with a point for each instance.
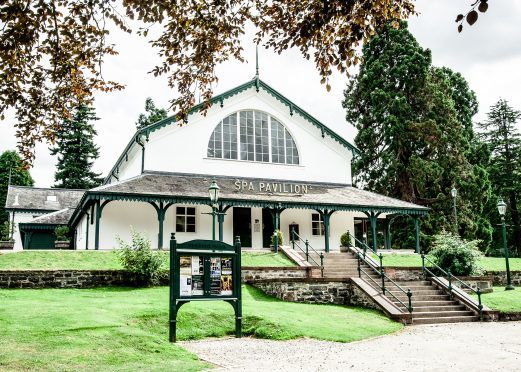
(40, 240)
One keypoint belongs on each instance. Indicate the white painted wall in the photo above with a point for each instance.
(119, 217)
(183, 148)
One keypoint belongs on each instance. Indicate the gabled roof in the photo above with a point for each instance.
(255, 83)
(60, 217)
(25, 198)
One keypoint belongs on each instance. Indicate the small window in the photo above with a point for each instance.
(51, 198)
(185, 219)
(317, 225)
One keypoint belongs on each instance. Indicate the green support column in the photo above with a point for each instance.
(220, 220)
(373, 217)
(99, 209)
(96, 226)
(417, 234)
(326, 215)
(161, 219)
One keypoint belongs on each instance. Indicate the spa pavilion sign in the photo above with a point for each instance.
(277, 167)
(271, 187)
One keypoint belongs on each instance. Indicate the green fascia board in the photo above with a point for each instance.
(258, 84)
(96, 195)
(38, 226)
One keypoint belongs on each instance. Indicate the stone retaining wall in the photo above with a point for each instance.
(500, 277)
(316, 291)
(102, 278)
(63, 278)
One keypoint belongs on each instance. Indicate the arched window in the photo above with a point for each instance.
(253, 136)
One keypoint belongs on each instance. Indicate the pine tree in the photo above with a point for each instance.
(76, 151)
(152, 115)
(11, 170)
(504, 140)
(415, 133)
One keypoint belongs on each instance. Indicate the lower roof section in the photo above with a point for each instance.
(235, 191)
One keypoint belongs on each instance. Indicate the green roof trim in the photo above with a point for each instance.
(255, 83)
(39, 226)
(100, 195)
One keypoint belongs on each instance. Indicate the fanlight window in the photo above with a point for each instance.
(253, 136)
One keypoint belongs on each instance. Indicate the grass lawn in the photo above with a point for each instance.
(105, 260)
(414, 260)
(126, 329)
(504, 301)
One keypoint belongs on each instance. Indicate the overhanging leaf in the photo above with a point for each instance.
(472, 17)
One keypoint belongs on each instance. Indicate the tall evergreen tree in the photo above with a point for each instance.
(152, 114)
(77, 151)
(415, 134)
(504, 140)
(11, 170)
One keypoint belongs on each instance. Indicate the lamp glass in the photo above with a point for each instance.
(501, 207)
(454, 192)
(214, 192)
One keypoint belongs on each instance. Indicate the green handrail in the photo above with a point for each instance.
(306, 251)
(364, 246)
(450, 277)
(383, 276)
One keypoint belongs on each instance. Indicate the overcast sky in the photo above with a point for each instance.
(488, 55)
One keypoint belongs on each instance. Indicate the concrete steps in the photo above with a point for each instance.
(453, 319)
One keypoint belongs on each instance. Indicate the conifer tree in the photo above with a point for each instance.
(11, 171)
(152, 114)
(415, 134)
(504, 140)
(77, 151)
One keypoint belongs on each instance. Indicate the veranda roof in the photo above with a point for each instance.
(249, 192)
(28, 199)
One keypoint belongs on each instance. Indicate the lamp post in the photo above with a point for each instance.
(213, 190)
(454, 194)
(502, 208)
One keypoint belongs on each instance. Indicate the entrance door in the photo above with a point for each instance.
(267, 228)
(242, 225)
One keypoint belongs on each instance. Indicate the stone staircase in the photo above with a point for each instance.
(431, 305)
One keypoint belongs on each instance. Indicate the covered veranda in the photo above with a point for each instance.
(161, 191)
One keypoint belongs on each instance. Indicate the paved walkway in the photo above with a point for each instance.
(448, 347)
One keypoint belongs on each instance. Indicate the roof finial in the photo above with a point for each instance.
(257, 61)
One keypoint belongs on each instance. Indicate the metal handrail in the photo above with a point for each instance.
(450, 277)
(383, 276)
(363, 244)
(306, 251)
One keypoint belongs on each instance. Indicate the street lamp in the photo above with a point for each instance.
(502, 208)
(213, 190)
(454, 194)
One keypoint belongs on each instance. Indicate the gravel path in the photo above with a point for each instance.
(454, 347)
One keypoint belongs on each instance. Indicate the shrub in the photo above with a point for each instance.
(281, 237)
(452, 253)
(5, 231)
(345, 240)
(138, 258)
(61, 233)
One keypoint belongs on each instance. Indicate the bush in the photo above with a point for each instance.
(138, 258)
(452, 253)
(61, 233)
(345, 240)
(5, 232)
(281, 238)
